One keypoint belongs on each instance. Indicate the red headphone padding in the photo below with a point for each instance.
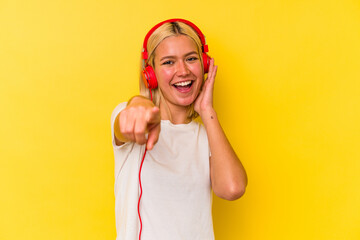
(149, 77)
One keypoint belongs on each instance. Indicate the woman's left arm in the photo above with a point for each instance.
(228, 176)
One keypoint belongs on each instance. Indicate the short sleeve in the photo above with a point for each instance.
(115, 112)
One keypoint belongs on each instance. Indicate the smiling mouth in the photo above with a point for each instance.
(183, 85)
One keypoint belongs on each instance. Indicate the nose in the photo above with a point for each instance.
(182, 69)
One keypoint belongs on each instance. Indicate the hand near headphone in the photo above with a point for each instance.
(204, 101)
(139, 118)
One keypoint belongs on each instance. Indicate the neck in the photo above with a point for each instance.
(175, 114)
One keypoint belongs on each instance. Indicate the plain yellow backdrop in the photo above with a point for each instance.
(287, 94)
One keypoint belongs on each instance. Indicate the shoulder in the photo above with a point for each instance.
(114, 113)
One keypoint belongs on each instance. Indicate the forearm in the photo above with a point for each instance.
(228, 175)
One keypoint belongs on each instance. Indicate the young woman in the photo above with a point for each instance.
(176, 161)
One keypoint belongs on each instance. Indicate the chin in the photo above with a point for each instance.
(186, 102)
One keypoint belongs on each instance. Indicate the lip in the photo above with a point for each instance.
(183, 90)
(185, 80)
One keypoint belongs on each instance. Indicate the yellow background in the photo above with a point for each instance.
(287, 94)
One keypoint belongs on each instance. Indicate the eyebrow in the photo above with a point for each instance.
(189, 53)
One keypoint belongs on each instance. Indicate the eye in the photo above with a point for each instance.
(169, 62)
(193, 58)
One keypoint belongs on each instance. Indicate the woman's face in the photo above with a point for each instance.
(178, 70)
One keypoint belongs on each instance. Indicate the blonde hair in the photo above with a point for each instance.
(164, 31)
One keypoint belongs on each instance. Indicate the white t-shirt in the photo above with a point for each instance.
(177, 198)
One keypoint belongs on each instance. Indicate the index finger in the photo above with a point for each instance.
(211, 68)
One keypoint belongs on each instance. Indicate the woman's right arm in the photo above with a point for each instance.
(139, 117)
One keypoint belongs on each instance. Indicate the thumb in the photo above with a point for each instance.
(153, 116)
(153, 136)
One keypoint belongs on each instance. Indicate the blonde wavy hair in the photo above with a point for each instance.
(164, 31)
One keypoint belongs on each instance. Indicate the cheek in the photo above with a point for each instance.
(164, 75)
(197, 70)
(198, 73)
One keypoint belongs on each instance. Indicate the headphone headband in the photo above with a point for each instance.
(205, 47)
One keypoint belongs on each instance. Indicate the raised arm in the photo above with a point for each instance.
(138, 118)
(228, 176)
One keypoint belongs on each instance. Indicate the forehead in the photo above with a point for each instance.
(175, 46)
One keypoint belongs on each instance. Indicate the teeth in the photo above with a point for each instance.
(182, 83)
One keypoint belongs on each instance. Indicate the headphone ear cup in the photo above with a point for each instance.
(206, 62)
(149, 77)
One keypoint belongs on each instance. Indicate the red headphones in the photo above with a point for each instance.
(148, 73)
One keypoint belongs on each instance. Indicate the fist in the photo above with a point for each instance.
(139, 118)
